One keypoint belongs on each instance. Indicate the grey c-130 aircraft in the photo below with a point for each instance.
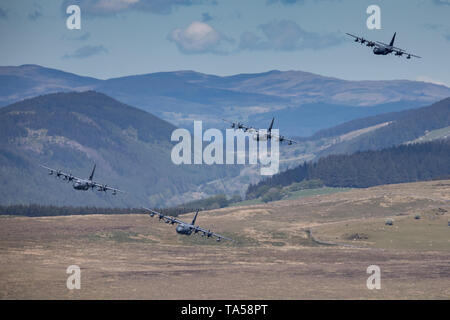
(380, 48)
(82, 184)
(186, 228)
(259, 135)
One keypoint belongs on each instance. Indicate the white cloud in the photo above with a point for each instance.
(198, 37)
(114, 5)
(105, 8)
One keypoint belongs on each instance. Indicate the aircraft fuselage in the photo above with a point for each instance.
(184, 229)
(81, 185)
(381, 51)
(262, 136)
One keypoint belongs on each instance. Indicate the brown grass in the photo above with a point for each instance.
(273, 257)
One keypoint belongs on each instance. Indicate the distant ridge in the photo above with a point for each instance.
(302, 102)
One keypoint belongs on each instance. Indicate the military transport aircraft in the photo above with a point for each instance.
(380, 48)
(259, 135)
(187, 228)
(82, 184)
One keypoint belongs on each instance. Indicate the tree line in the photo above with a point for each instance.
(37, 210)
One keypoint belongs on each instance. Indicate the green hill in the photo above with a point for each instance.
(71, 132)
(403, 126)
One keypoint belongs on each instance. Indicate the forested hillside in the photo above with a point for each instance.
(404, 163)
(71, 132)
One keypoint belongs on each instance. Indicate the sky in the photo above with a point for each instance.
(225, 37)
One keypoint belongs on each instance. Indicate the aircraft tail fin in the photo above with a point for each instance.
(92, 174)
(271, 125)
(393, 39)
(195, 217)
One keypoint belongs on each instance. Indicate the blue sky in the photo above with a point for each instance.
(224, 37)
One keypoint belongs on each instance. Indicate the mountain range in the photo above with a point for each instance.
(302, 102)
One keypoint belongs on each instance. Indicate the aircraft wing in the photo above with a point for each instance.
(382, 44)
(104, 187)
(401, 52)
(238, 125)
(282, 138)
(289, 141)
(231, 122)
(167, 219)
(59, 173)
(362, 40)
(209, 233)
(352, 35)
